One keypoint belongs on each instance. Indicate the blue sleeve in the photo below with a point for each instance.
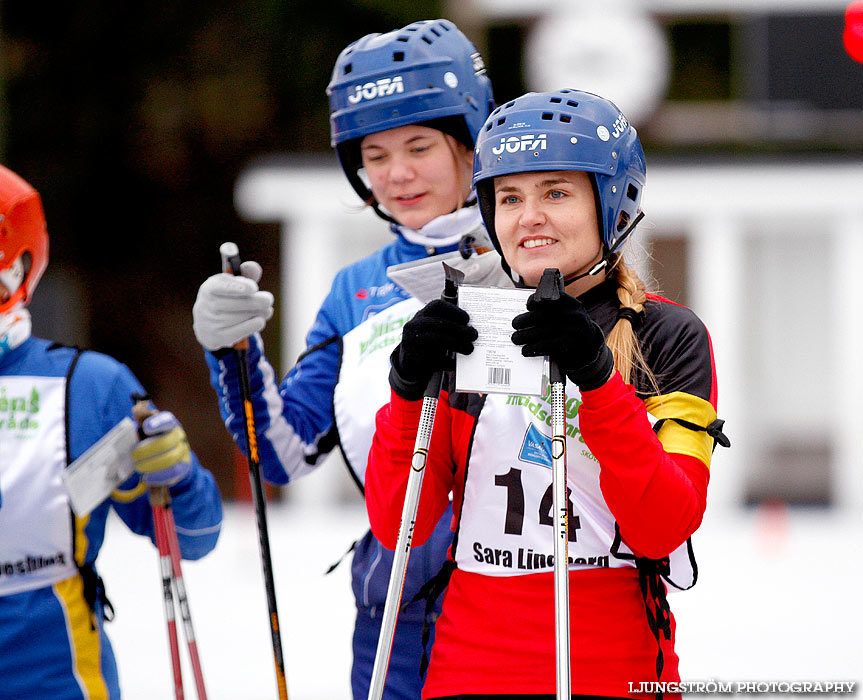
(294, 420)
(100, 397)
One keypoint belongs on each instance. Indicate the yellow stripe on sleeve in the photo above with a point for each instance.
(673, 436)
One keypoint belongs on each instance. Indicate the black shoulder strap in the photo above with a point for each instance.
(67, 401)
(714, 430)
(94, 587)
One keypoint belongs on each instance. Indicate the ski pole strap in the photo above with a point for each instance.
(714, 430)
(94, 591)
(335, 566)
(651, 573)
(430, 591)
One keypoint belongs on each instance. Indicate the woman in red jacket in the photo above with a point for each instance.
(559, 178)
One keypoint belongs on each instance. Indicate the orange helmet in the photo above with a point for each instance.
(23, 234)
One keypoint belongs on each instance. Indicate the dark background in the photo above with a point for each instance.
(133, 121)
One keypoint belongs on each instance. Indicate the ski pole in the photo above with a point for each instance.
(551, 287)
(231, 263)
(409, 511)
(170, 529)
(167, 595)
(172, 573)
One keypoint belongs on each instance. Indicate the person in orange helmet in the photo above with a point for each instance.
(56, 402)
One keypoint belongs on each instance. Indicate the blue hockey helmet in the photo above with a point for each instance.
(565, 130)
(427, 72)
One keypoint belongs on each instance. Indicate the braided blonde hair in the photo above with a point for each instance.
(624, 344)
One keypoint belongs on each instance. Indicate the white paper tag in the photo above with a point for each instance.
(424, 279)
(496, 365)
(92, 477)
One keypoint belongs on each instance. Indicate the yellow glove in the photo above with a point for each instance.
(164, 457)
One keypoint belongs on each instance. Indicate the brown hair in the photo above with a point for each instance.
(459, 150)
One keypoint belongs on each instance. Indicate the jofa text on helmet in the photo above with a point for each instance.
(478, 64)
(619, 126)
(514, 144)
(380, 88)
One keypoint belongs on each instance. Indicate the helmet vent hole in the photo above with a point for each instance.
(427, 40)
(403, 38)
(556, 100)
(348, 68)
(565, 118)
(622, 221)
(572, 103)
(501, 121)
(632, 192)
(398, 55)
(547, 116)
(435, 31)
(508, 105)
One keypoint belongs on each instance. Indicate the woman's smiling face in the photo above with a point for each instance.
(416, 173)
(547, 219)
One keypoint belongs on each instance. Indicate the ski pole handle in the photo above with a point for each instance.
(453, 278)
(230, 253)
(141, 410)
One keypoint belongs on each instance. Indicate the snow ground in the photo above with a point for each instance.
(779, 598)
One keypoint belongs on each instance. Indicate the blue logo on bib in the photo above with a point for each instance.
(536, 448)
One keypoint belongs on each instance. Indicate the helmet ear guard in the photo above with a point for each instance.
(426, 73)
(565, 130)
(23, 237)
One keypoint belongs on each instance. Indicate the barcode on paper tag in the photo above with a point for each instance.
(499, 376)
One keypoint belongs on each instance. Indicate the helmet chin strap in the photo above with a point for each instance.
(602, 264)
(11, 277)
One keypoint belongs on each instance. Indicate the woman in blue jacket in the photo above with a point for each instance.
(404, 108)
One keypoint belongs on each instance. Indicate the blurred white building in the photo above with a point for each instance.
(761, 243)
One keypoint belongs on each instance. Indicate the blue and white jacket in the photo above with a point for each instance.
(52, 642)
(330, 397)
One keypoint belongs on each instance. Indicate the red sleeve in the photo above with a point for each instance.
(658, 498)
(390, 464)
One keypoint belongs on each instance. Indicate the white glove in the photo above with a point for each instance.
(230, 308)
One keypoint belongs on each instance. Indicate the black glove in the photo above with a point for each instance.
(561, 329)
(428, 339)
